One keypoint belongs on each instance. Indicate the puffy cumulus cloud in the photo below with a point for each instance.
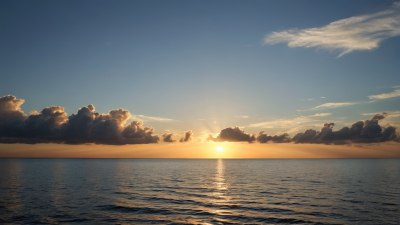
(235, 134)
(170, 137)
(392, 94)
(232, 134)
(10, 108)
(367, 131)
(173, 137)
(263, 137)
(188, 136)
(363, 32)
(137, 134)
(53, 125)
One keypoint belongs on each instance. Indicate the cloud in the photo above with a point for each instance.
(263, 137)
(291, 123)
(159, 119)
(232, 134)
(334, 105)
(53, 125)
(170, 137)
(363, 32)
(392, 94)
(330, 105)
(391, 119)
(10, 108)
(292, 130)
(188, 136)
(367, 131)
(320, 114)
(389, 113)
(244, 117)
(322, 97)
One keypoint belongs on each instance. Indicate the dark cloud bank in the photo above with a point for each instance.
(368, 131)
(53, 125)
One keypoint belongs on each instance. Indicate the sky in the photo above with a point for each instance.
(197, 74)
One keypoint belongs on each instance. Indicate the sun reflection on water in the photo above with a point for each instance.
(221, 187)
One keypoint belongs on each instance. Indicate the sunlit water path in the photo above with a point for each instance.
(200, 191)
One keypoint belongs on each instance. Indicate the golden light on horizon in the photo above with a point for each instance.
(220, 149)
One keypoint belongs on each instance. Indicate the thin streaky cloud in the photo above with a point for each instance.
(329, 105)
(363, 32)
(160, 119)
(321, 114)
(293, 130)
(244, 117)
(392, 94)
(290, 123)
(334, 104)
(390, 113)
(396, 87)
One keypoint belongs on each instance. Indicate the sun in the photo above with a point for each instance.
(220, 149)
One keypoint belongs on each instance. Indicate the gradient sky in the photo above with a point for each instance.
(206, 65)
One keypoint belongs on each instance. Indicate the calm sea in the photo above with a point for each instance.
(200, 191)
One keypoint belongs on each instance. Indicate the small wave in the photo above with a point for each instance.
(141, 210)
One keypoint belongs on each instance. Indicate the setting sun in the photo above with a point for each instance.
(220, 149)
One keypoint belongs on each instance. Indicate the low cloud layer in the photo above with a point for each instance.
(363, 32)
(232, 134)
(53, 125)
(235, 134)
(263, 137)
(367, 131)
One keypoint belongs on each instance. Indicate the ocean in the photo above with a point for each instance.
(200, 191)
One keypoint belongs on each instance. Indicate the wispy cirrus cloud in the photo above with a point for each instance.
(290, 123)
(389, 113)
(334, 105)
(330, 105)
(392, 94)
(149, 118)
(244, 117)
(363, 32)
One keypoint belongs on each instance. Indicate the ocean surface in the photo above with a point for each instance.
(200, 191)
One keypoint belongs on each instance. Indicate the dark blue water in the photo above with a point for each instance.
(198, 191)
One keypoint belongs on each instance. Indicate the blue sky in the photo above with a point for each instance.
(204, 65)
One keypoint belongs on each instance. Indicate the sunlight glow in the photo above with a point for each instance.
(220, 149)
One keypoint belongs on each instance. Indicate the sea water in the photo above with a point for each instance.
(200, 191)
